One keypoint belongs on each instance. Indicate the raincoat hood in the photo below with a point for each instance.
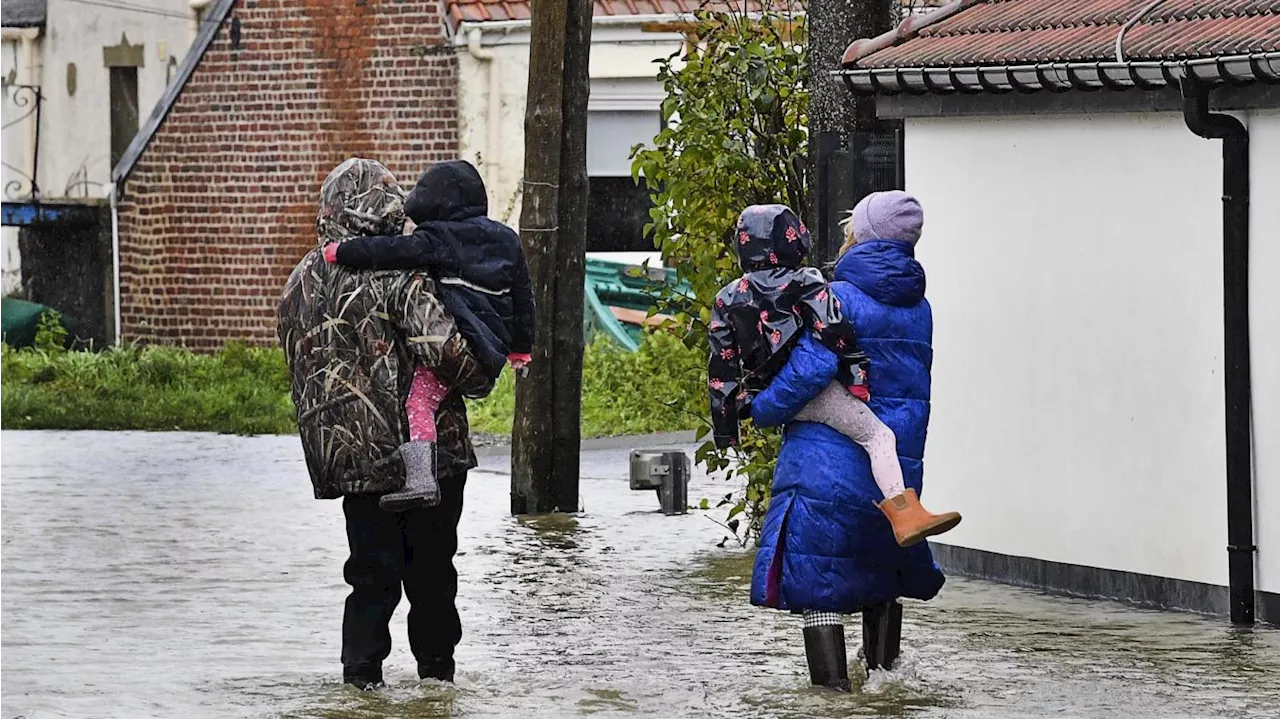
(448, 191)
(771, 237)
(886, 270)
(359, 198)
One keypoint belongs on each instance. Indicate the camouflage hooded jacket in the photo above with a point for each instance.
(352, 339)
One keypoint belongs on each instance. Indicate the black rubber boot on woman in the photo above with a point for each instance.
(828, 663)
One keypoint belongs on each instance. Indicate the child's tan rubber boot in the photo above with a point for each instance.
(912, 522)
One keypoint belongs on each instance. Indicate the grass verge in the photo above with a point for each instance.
(243, 390)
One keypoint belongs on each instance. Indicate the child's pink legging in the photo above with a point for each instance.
(425, 395)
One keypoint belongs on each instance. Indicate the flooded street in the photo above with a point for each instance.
(181, 575)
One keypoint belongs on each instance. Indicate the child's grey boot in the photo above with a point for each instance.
(420, 486)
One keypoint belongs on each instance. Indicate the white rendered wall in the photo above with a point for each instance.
(620, 56)
(75, 132)
(11, 263)
(1264, 299)
(1075, 270)
(75, 128)
(13, 145)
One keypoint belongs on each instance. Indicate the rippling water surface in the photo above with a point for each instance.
(182, 575)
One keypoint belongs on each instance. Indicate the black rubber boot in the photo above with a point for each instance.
(828, 663)
(364, 677)
(420, 486)
(441, 669)
(882, 635)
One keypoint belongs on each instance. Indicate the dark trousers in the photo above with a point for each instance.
(414, 549)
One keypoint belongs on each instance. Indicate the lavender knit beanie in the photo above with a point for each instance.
(892, 215)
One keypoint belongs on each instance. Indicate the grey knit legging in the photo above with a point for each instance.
(850, 416)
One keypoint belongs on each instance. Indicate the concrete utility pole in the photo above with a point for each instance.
(835, 115)
(546, 435)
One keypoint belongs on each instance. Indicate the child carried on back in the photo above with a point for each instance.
(482, 279)
(756, 321)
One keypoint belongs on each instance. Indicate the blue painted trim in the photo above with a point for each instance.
(24, 214)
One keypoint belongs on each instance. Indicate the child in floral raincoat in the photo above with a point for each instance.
(757, 320)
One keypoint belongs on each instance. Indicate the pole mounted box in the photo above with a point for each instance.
(665, 471)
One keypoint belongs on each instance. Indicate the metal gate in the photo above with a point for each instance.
(871, 161)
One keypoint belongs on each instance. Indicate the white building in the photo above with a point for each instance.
(100, 67)
(1075, 249)
(624, 107)
(627, 41)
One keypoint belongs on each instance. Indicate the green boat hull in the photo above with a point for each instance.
(20, 320)
(619, 297)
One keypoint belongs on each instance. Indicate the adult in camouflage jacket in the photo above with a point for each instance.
(351, 340)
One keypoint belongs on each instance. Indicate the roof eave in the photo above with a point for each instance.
(1063, 76)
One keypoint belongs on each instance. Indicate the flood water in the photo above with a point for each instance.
(181, 575)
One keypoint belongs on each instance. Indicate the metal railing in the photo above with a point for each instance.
(28, 99)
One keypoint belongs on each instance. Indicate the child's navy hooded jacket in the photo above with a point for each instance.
(757, 319)
(478, 263)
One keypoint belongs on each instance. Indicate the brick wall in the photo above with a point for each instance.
(222, 204)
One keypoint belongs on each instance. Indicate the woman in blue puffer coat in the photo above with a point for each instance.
(826, 548)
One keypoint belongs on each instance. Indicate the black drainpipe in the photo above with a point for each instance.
(1235, 297)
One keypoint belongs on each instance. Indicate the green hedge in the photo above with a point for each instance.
(246, 391)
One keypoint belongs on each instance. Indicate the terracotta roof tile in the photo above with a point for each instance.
(999, 32)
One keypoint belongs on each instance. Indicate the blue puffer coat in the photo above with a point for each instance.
(826, 546)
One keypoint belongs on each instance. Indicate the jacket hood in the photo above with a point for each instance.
(448, 191)
(886, 270)
(359, 197)
(769, 237)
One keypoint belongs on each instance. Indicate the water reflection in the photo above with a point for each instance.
(554, 531)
